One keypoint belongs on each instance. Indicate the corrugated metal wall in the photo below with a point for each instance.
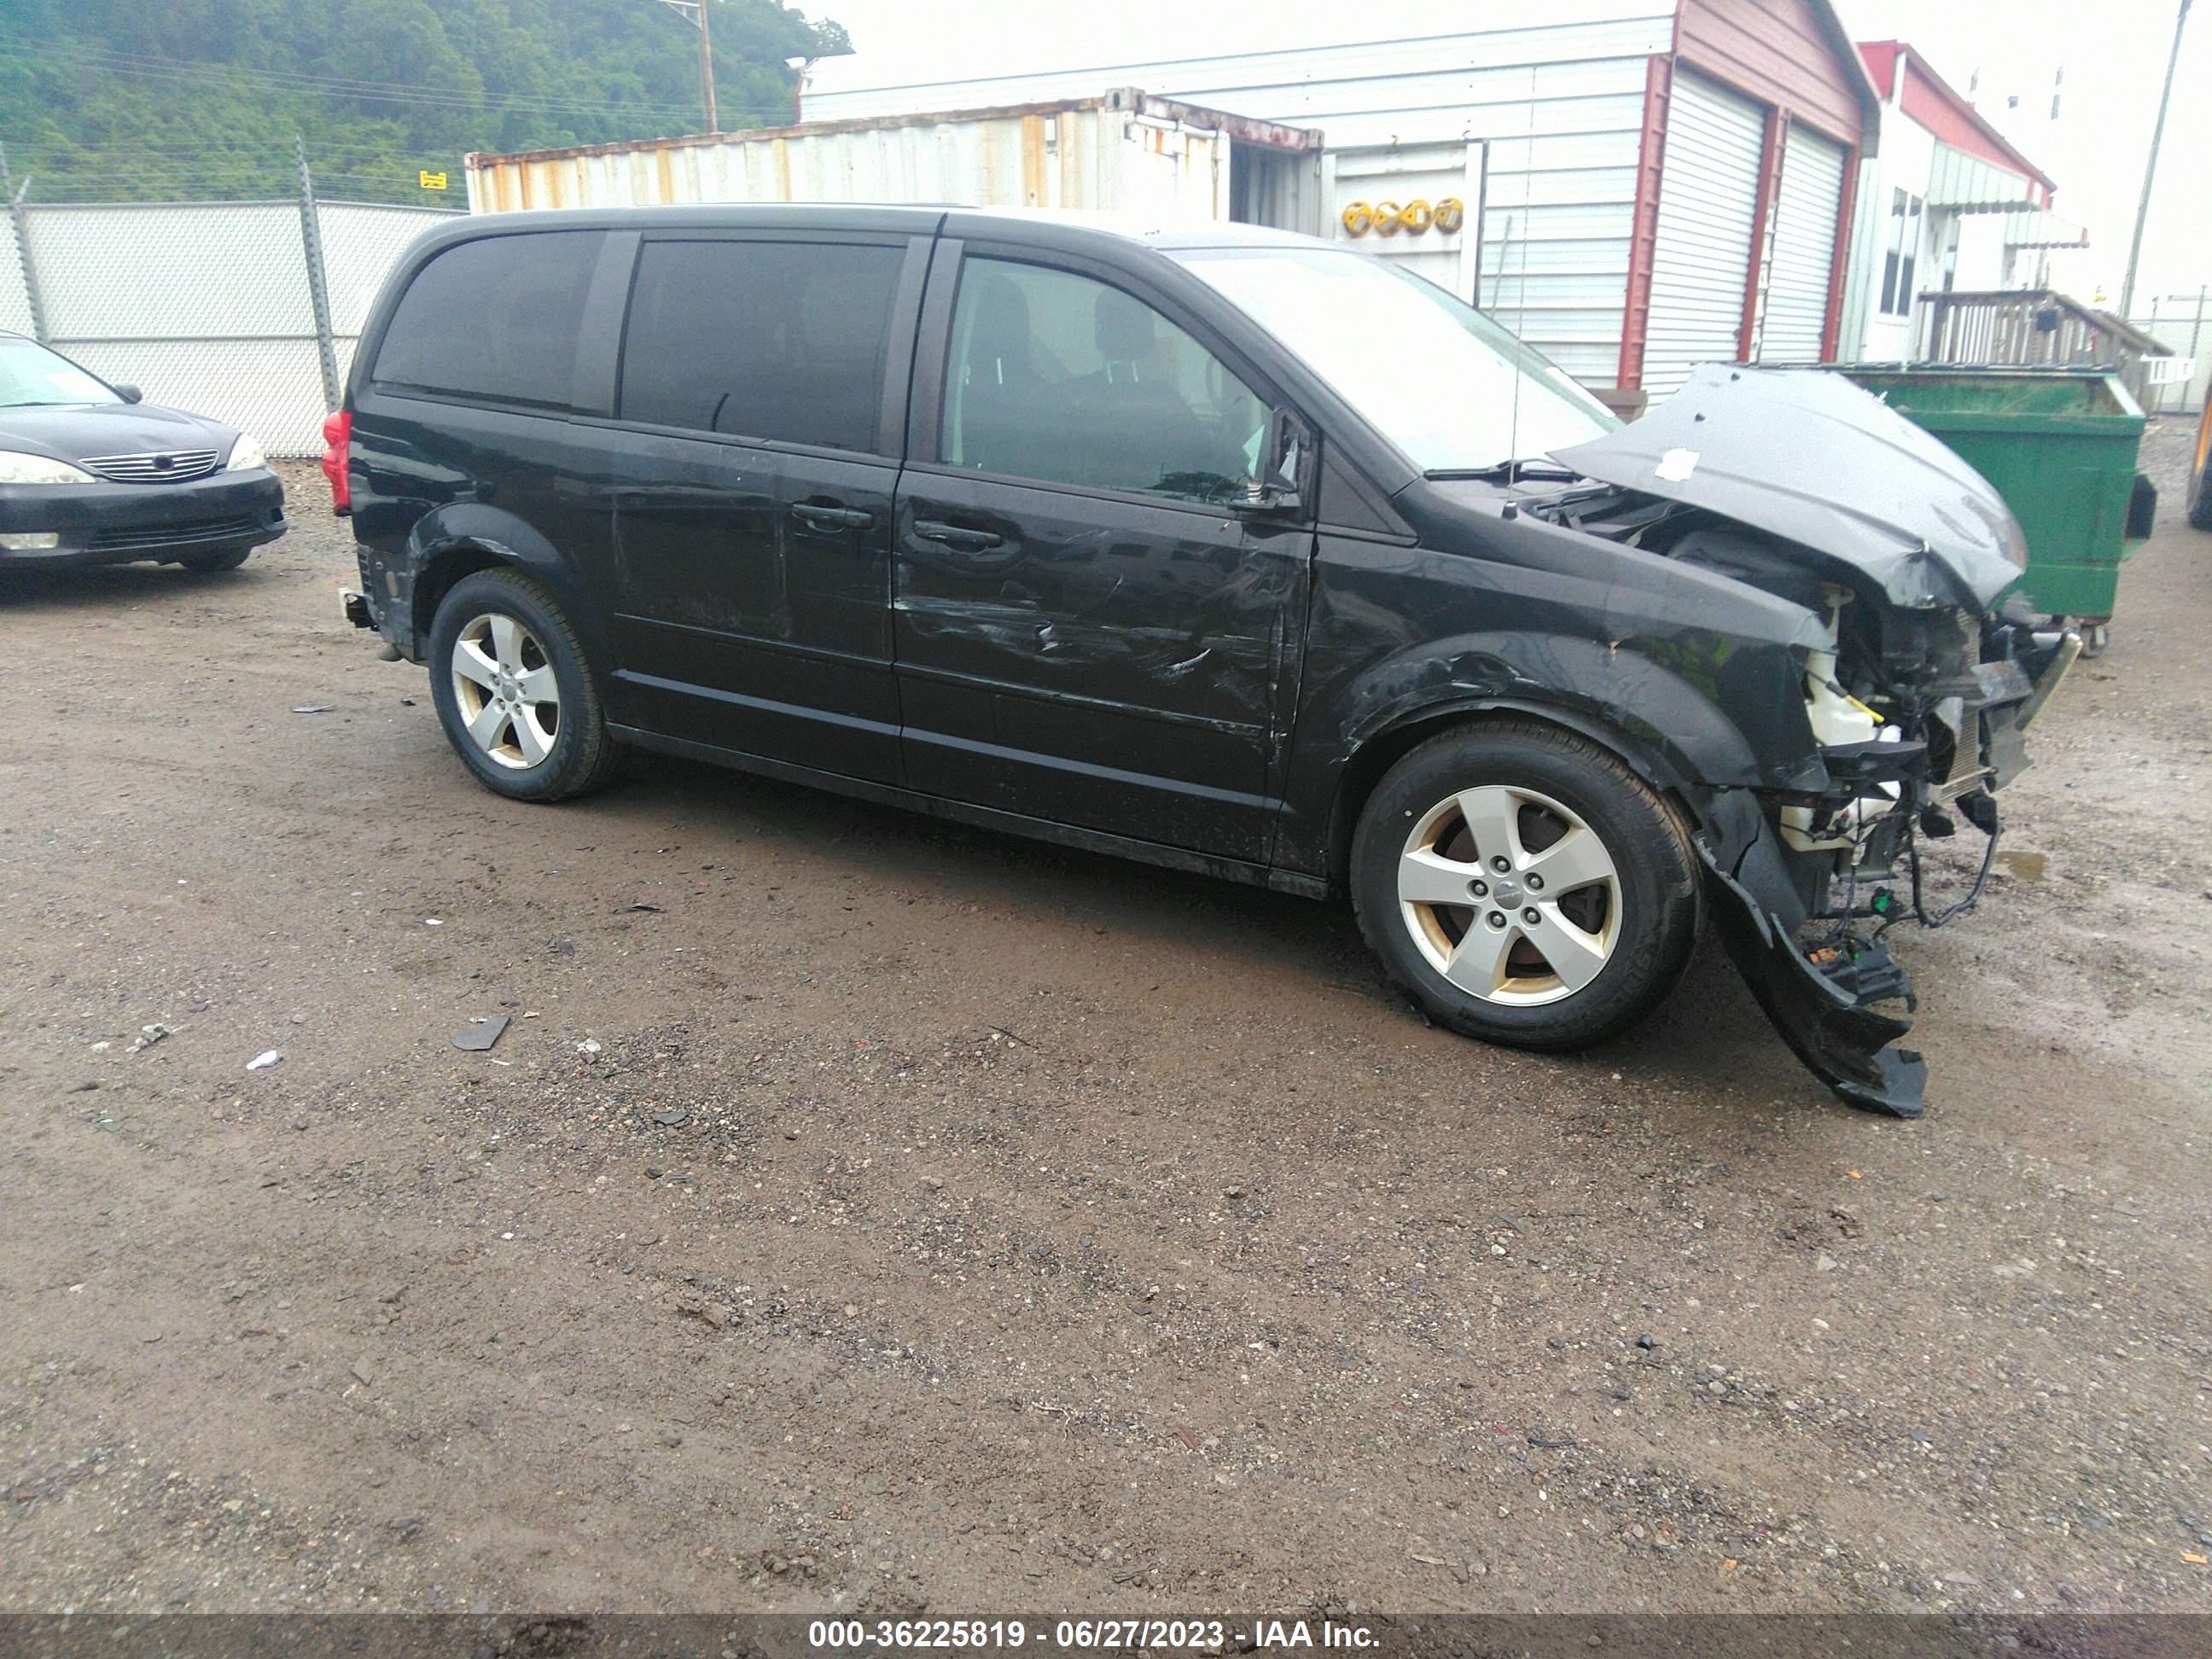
(1701, 257)
(1560, 104)
(1807, 205)
(1785, 49)
(1071, 158)
(1405, 173)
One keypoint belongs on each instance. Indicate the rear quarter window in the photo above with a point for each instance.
(752, 338)
(495, 318)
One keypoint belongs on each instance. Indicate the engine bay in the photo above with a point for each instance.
(1917, 712)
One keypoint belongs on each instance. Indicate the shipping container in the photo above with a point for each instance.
(1123, 151)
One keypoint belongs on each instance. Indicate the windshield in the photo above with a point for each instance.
(1435, 375)
(29, 374)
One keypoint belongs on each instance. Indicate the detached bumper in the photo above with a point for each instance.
(120, 524)
(1822, 1012)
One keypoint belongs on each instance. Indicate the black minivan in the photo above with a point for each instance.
(1215, 546)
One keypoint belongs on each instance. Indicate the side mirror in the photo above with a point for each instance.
(129, 393)
(1285, 465)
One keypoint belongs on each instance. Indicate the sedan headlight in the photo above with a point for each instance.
(15, 467)
(246, 454)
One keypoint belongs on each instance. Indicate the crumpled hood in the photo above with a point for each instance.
(1811, 458)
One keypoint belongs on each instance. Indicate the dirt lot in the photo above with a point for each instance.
(944, 1220)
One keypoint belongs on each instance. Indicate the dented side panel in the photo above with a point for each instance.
(1689, 675)
(1109, 663)
(420, 501)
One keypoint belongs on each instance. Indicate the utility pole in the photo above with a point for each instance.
(696, 11)
(2150, 163)
(706, 67)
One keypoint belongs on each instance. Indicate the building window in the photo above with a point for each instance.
(1904, 254)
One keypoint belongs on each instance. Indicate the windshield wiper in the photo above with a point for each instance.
(1505, 472)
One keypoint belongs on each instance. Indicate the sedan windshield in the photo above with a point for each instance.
(1450, 388)
(31, 374)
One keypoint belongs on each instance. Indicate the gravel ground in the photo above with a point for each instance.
(864, 1212)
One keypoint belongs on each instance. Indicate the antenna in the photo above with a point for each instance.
(1513, 430)
(1520, 311)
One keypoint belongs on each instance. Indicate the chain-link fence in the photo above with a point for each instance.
(2183, 321)
(211, 307)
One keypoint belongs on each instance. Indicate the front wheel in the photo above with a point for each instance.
(1522, 885)
(514, 690)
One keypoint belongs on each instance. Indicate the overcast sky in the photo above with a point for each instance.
(2113, 52)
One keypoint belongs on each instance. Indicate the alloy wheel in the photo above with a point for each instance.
(505, 690)
(1509, 895)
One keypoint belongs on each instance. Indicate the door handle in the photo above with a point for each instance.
(831, 518)
(953, 535)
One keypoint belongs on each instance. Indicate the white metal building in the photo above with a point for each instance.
(1949, 205)
(1647, 183)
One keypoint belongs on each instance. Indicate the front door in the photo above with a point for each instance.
(752, 514)
(1084, 632)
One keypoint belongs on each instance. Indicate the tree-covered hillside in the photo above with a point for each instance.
(201, 100)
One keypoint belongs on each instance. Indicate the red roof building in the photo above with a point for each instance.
(1948, 205)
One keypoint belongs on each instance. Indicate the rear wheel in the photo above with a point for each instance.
(206, 564)
(514, 690)
(1522, 885)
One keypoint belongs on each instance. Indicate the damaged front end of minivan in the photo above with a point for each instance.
(1919, 679)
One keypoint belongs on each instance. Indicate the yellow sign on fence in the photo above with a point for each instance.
(431, 180)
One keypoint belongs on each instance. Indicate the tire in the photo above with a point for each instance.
(2200, 509)
(206, 564)
(1544, 800)
(529, 689)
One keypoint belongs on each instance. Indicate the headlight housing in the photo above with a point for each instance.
(246, 454)
(15, 467)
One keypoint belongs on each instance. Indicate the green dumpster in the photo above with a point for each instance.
(2059, 445)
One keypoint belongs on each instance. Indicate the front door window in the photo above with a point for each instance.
(1057, 379)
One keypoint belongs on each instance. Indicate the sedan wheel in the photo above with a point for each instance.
(1509, 895)
(508, 695)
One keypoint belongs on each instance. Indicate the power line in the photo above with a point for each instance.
(171, 68)
(72, 156)
(298, 78)
(178, 72)
(156, 146)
